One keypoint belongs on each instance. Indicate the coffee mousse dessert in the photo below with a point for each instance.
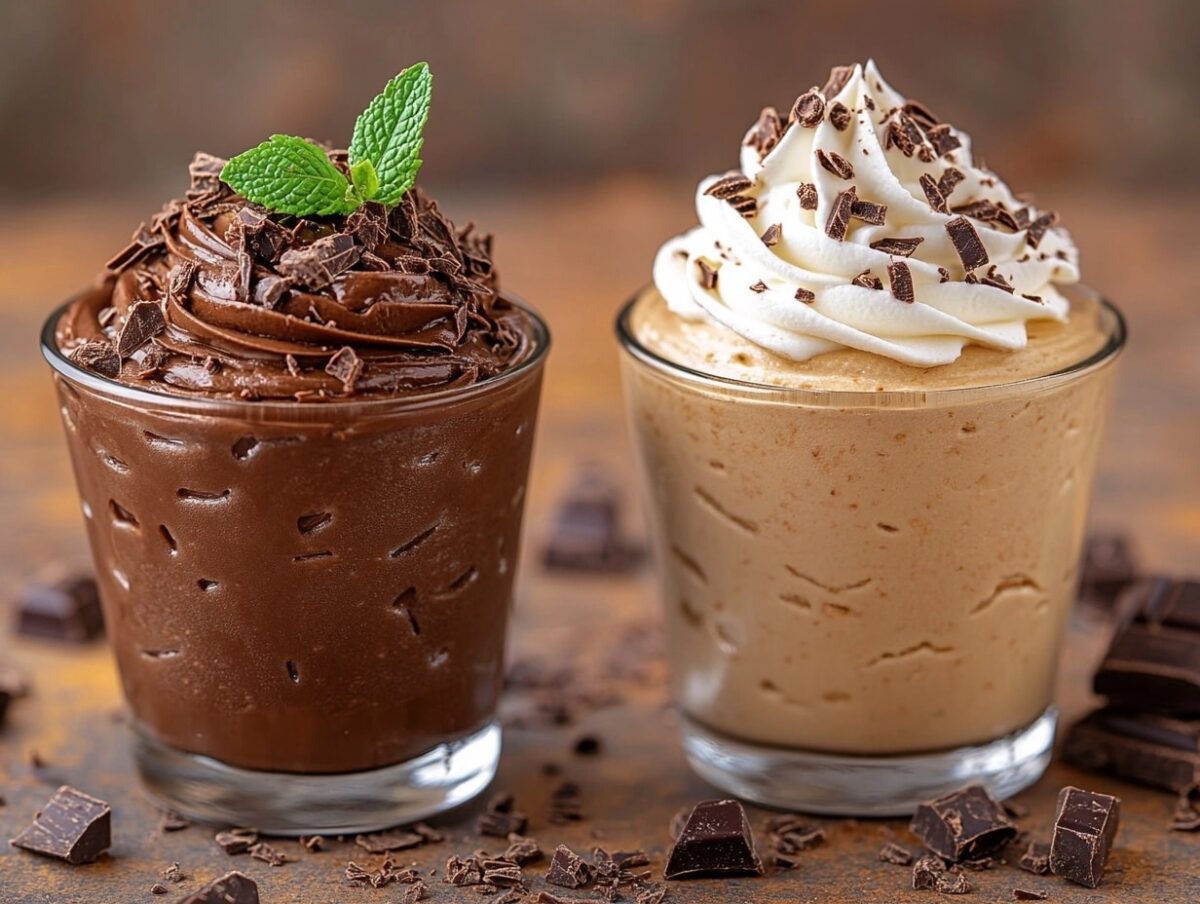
(868, 399)
(302, 443)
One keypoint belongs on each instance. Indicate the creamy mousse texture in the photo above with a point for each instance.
(305, 526)
(883, 574)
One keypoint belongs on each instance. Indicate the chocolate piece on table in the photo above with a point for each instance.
(715, 840)
(501, 818)
(170, 821)
(12, 687)
(522, 850)
(568, 869)
(1154, 660)
(1186, 817)
(894, 853)
(236, 841)
(71, 826)
(1109, 566)
(930, 872)
(1021, 894)
(232, 888)
(99, 356)
(1036, 858)
(1159, 751)
(63, 607)
(1084, 828)
(390, 840)
(964, 825)
(587, 529)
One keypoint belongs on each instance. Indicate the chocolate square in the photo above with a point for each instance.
(1084, 828)
(964, 825)
(72, 826)
(715, 840)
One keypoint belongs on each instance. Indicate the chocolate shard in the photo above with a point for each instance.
(1109, 566)
(315, 265)
(838, 77)
(236, 841)
(144, 321)
(759, 287)
(933, 194)
(522, 850)
(772, 235)
(966, 243)
(867, 280)
(62, 607)
(708, 273)
(766, 132)
(943, 139)
(729, 186)
(1021, 894)
(805, 295)
(170, 821)
(346, 366)
(948, 181)
(232, 888)
(869, 212)
(144, 241)
(1036, 230)
(839, 116)
(963, 825)
(807, 193)
(838, 222)
(930, 872)
(1153, 662)
(98, 356)
(899, 247)
(835, 163)
(568, 869)
(390, 840)
(901, 281)
(71, 826)
(715, 840)
(1155, 750)
(894, 853)
(809, 109)
(501, 817)
(1036, 858)
(1084, 828)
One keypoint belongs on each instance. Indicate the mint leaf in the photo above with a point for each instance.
(388, 133)
(290, 175)
(365, 179)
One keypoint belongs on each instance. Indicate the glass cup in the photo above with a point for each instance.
(307, 602)
(865, 593)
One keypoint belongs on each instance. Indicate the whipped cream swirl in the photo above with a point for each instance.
(860, 221)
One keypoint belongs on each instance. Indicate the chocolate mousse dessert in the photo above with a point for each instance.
(300, 412)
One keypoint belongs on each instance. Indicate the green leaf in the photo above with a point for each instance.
(290, 175)
(365, 179)
(388, 133)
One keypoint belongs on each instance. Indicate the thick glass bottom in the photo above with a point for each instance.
(866, 785)
(288, 803)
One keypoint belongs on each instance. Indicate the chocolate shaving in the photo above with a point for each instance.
(869, 212)
(728, 186)
(179, 279)
(996, 280)
(897, 137)
(1021, 894)
(835, 163)
(838, 77)
(807, 193)
(708, 273)
(838, 222)
(98, 356)
(345, 366)
(1038, 228)
(270, 291)
(867, 281)
(772, 235)
(933, 194)
(967, 243)
(747, 207)
(315, 265)
(920, 113)
(943, 275)
(765, 133)
(839, 116)
(809, 109)
(900, 247)
(943, 139)
(805, 296)
(143, 242)
(143, 322)
(902, 284)
(949, 180)
(759, 287)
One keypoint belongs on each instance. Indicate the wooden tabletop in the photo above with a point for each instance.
(577, 255)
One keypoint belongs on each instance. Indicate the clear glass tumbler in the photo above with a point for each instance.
(307, 601)
(865, 593)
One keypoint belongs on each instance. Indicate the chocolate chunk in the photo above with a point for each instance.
(809, 109)
(236, 841)
(170, 821)
(1154, 660)
(312, 843)
(897, 246)
(996, 280)
(391, 840)
(388, 873)
(838, 222)
(933, 194)
(522, 850)
(708, 273)
(869, 212)
(759, 287)
(867, 281)
(838, 77)
(98, 356)
(1036, 230)
(232, 888)
(1036, 858)
(1186, 817)
(270, 291)
(930, 872)
(894, 853)
(949, 181)
(901, 279)
(71, 826)
(346, 366)
(1159, 751)
(143, 242)
(966, 242)
(765, 133)
(159, 889)
(1109, 566)
(587, 533)
(788, 835)
(943, 139)
(805, 296)
(807, 193)
(1020, 894)
(368, 224)
(315, 265)
(964, 825)
(835, 163)
(773, 234)
(143, 322)
(715, 840)
(501, 817)
(1084, 828)
(269, 854)
(896, 136)
(568, 869)
(414, 893)
(60, 607)
(839, 116)
(566, 804)
(729, 186)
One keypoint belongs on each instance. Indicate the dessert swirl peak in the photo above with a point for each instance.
(859, 220)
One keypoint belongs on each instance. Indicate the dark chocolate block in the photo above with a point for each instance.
(568, 869)
(965, 825)
(587, 529)
(1155, 750)
(63, 608)
(1084, 828)
(232, 888)
(72, 826)
(715, 840)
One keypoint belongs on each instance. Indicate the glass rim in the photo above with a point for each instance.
(1117, 336)
(125, 392)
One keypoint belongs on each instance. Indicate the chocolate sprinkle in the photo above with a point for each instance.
(98, 356)
(839, 116)
(144, 321)
(835, 163)
(933, 194)
(967, 243)
(902, 283)
(809, 109)
(897, 246)
(869, 212)
(807, 193)
(773, 234)
(839, 215)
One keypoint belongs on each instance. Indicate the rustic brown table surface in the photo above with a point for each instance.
(577, 255)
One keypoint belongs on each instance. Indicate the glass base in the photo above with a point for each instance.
(866, 785)
(288, 803)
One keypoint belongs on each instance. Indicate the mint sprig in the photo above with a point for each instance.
(294, 176)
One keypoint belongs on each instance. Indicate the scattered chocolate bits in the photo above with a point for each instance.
(390, 840)
(236, 841)
(269, 854)
(143, 322)
(708, 273)
(715, 840)
(346, 366)
(788, 835)
(1036, 858)
(963, 825)
(835, 163)
(387, 873)
(98, 356)
(805, 296)
(60, 606)
(967, 243)
(568, 869)
(522, 850)
(809, 109)
(765, 133)
(232, 888)
(501, 818)
(869, 212)
(807, 193)
(901, 279)
(867, 281)
(933, 194)
(949, 181)
(1036, 230)
(1084, 828)
(71, 826)
(894, 853)
(838, 222)
(839, 116)
(758, 287)
(772, 235)
(931, 872)
(897, 246)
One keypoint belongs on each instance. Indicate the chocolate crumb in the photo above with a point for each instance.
(565, 804)
(897, 246)
(839, 116)
(501, 818)
(809, 109)
(967, 243)
(930, 872)
(894, 853)
(312, 843)
(838, 222)
(174, 874)
(522, 850)
(805, 296)
(1036, 859)
(807, 193)
(236, 841)
(867, 281)
(170, 821)
(835, 163)
(933, 194)
(759, 287)
(772, 235)
(159, 889)
(268, 854)
(708, 273)
(588, 745)
(1186, 817)
(765, 133)
(943, 275)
